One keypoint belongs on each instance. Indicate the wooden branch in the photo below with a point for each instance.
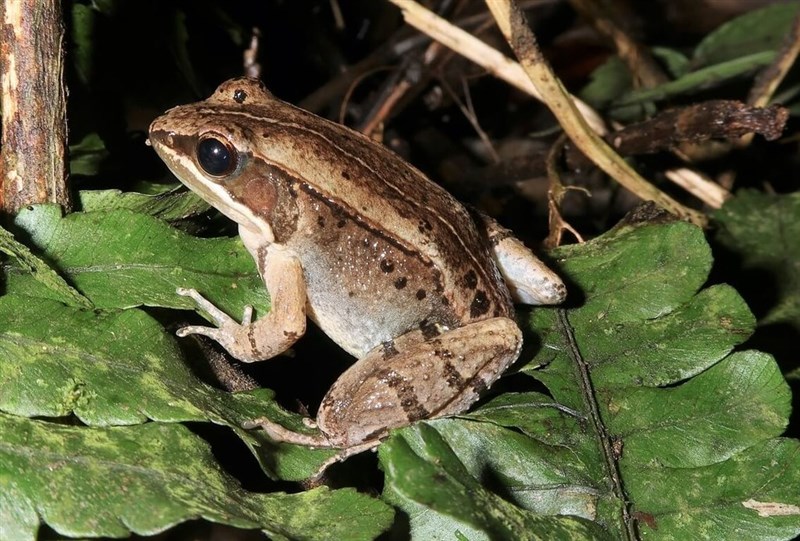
(34, 141)
(514, 27)
(714, 119)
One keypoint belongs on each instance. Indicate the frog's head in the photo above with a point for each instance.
(212, 147)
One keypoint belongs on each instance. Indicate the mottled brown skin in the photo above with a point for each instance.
(386, 262)
(411, 246)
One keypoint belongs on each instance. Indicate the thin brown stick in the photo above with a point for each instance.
(514, 27)
(768, 79)
(555, 195)
(481, 54)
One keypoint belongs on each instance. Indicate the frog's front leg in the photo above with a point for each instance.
(271, 334)
(408, 379)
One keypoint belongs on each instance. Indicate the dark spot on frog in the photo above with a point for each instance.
(445, 301)
(480, 304)
(265, 135)
(411, 405)
(429, 329)
(443, 353)
(471, 279)
(438, 284)
(345, 175)
(327, 402)
(251, 338)
(341, 217)
(406, 393)
(351, 294)
(479, 386)
(386, 265)
(421, 294)
(389, 350)
(321, 221)
(424, 226)
(239, 95)
(401, 282)
(290, 335)
(451, 375)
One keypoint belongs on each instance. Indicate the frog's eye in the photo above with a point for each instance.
(216, 156)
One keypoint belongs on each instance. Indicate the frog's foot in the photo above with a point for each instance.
(220, 318)
(282, 434)
(228, 331)
(249, 341)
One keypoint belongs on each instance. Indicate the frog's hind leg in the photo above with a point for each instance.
(414, 377)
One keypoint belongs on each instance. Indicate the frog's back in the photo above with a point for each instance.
(405, 252)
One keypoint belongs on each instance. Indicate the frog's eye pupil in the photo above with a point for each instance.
(215, 157)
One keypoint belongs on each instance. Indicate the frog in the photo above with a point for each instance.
(417, 287)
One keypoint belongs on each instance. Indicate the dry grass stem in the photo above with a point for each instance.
(482, 54)
(516, 30)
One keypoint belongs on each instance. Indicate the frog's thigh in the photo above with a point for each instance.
(414, 378)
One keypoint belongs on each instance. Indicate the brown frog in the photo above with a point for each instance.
(388, 264)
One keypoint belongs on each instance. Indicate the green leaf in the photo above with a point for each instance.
(121, 259)
(144, 479)
(753, 495)
(82, 34)
(754, 32)
(178, 41)
(675, 62)
(423, 472)
(738, 48)
(86, 157)
(39, 272)
(122, 368)
(610, 80)
(756, 235)
(169, 205)
(699, 80)
(762, 231)
(643, 386)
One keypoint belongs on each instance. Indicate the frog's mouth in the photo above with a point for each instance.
(177, 152)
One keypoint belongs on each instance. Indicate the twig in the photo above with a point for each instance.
(252, 68)
(700, 186)
(468, 111)
(482, 54)
(555, 195)
(514, 27)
